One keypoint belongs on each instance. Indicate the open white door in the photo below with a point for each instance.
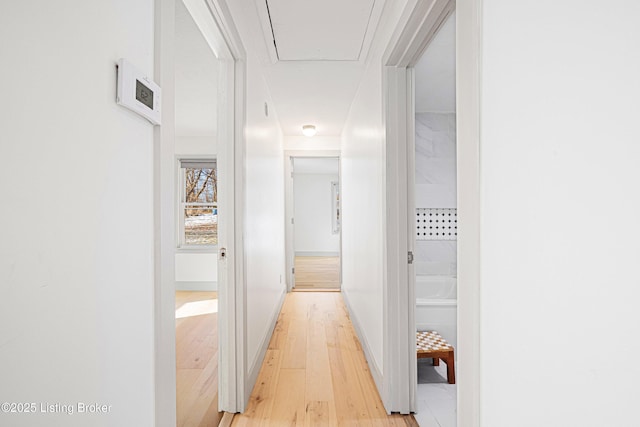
(214, 20)
(227, 252)
(415, 31)
(419, 23)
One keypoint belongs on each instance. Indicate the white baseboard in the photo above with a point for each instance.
(312, 253)
(254, 370)
(196, 286)
(376, 372)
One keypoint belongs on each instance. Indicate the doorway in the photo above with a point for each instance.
(313, 223)
(433, 209)
(197, 91)
(411, 37)
(202, 137)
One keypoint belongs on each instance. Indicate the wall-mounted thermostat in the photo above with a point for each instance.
(138, 93)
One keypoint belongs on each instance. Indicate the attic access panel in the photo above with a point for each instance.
(319, 30)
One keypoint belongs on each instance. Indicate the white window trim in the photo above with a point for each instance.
(181, 246)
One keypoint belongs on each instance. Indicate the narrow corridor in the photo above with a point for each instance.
(317, 273)
(315, 372)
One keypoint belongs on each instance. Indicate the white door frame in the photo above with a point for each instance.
(418, 25)
(232, 348)
(215, 22)
(289, 228)
(164, 209)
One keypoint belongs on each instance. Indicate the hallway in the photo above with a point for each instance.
(315, 373)
(317, 273)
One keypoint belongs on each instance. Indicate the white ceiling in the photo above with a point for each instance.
(196, 73)
(436, 72)
(318, 93)
(312, 30)
(306, 90)
(316, 165)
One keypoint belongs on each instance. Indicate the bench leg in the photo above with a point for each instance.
(451, 370)
(436, 361)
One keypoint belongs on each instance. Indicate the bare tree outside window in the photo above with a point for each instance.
(199, 209)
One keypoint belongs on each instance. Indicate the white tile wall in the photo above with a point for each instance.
(435, 186)
(435, 160)
(436, 224)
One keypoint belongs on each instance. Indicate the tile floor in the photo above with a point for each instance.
(436, 399)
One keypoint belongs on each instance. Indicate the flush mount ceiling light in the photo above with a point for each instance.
(309, 130)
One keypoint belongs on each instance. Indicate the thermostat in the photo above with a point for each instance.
(137, 92)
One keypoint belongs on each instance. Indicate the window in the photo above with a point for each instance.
(198, 216)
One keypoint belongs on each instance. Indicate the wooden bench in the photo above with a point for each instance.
(431, 345)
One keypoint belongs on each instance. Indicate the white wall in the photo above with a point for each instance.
(313, 213)
(318, 142)
(196, 145)
(196, 271)
(560, 207)
(196, 78)
(363, 202)
(435, 184)
(435, 71)
(264, 238)
(435, 176)
(362, 213)
(76, 183)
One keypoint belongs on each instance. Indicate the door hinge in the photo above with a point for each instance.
(410, 257)
(293, 270)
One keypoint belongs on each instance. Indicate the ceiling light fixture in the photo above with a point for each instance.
(309, 130)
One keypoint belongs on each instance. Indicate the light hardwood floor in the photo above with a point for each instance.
(317, 273)
(314, 372)
(197, 359)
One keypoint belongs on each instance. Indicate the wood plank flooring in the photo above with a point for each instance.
(197, 359)
(317, 272)
(315, 372)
